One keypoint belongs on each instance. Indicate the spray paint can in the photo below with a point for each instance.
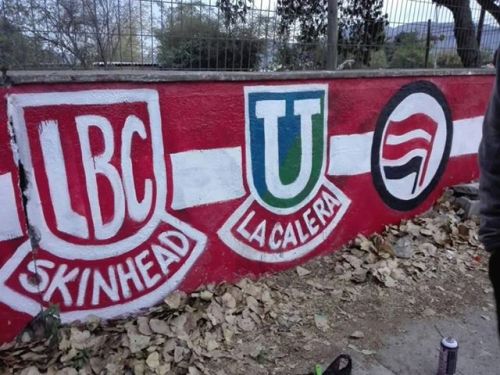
(448, 356)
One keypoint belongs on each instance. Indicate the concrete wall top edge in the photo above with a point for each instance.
(67, 76)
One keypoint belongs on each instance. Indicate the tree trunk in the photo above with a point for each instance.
(465, 31)
(491, 7)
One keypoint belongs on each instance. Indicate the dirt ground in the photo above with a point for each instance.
(430, 268)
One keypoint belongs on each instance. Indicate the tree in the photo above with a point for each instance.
(194, 39)
(81, 32)
(18, 50)
(491, 6)
(361, 25)
(234, 11)
(465, 31)
(406, 51)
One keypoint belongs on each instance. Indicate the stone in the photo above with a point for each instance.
(470, 206)
(471, 190)
(403, 248)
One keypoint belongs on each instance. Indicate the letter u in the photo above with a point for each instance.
(270, 111)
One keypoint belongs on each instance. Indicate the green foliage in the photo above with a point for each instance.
(300, 56)
(449, 60)
(362, 28)
(406, 51)
(234, 11)
(19, 50)
(378, 60)
(194, 39)
(487, 57)
(361, 25)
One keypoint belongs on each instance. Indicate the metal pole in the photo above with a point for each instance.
(428, 43)
(332, 35)
(480, 26)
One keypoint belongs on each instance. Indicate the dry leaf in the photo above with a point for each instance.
(357, 335)
(301, 271)
(175, 300)
(160, 326)
(153, 360)
(321, 322)
(138, 342)
(228, 301)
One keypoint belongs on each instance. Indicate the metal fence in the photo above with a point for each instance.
(251, 35)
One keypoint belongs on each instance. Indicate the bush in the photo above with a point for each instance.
(195, 40)
(449, 60)
(378, 60)
(406, 51)
(297, 56)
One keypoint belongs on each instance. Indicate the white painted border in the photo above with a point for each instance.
(49, 241)
(249, 252)
(284, 89)
(22, 303)
(10, 218)
(10, 297)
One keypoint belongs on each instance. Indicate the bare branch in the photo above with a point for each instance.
(492, 7)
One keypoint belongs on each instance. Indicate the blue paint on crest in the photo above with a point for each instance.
(288, 131)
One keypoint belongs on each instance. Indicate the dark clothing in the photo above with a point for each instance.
(489, 161)
(489, 186)
(494, 271)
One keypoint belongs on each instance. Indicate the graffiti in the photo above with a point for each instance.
(10, 222)
(133, 192)
(97, 189)
(411, 145)
(292, 207)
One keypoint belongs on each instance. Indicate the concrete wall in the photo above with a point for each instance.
(137, 185)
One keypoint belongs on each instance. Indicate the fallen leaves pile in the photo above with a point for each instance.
(180, 335)
(404, 251)
(275, 324)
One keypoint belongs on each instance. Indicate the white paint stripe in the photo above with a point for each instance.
(350, 154)
(10, 227)
(467, 134)
(206, 176)
(414, 134)
(209, 176)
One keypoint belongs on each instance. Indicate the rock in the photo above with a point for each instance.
(471, 190)
(403, 248)
(470, 206)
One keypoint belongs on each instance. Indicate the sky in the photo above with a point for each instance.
(405, 11)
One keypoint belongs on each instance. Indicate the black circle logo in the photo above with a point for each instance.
(411, 145)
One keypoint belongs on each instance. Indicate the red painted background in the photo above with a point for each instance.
(193, 116)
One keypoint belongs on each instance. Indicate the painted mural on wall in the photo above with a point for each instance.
(131, 192)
